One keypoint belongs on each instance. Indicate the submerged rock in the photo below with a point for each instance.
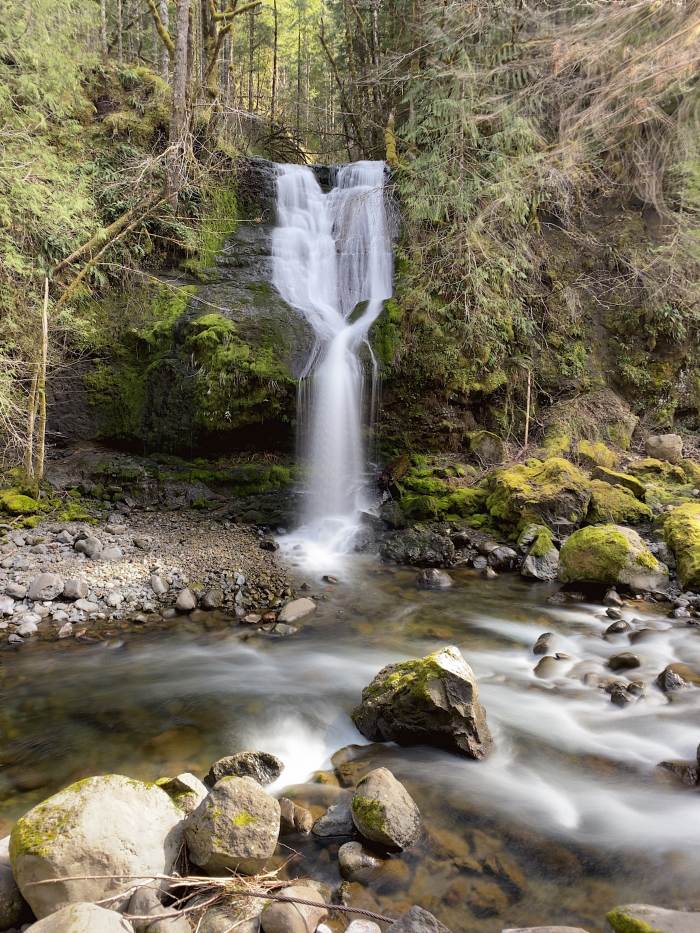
(286, 917)
(606, 554)
(356, 862)
(236, 827)
(261, 766)
(432, 700)
(417, 920)
(384, 812)
(336, 821)
(102, 826)
(13, 907)
(297, 610)
(433, 579)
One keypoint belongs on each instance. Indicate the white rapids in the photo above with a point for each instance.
(332, 262)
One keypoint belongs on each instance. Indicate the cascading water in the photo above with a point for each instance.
(332, 261)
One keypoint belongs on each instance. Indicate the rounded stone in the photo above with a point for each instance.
(82, 918)
(384, 812)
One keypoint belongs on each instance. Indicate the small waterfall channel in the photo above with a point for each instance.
(332, 262)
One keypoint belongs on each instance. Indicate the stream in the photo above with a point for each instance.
(571, 804)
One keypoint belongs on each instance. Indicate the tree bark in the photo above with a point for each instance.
(164, 14)
(103, 27)
(251, 52)
(120, 32)
(273, 95)
(41, 387)
(178, 117)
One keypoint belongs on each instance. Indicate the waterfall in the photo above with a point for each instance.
(332, 262)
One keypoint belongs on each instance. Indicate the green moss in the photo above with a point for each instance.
(243, 818)
(614, 478)
(557, 441)
(605, 554)
(220, 219)
(615, 504)
(620, 922)
(15, 503)
(682, 534)
(34, 832)
(385, 332)
(692, 472)
(595, 453)
(541, 544)
(538, 491)
(651, 468)
(370, 813)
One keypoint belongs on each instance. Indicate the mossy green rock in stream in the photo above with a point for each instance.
(615, 504)
(539, 491)
(610, 554)
(427, 701)
(682, 534)
(646, 918)
(384, 812)
(99, 831)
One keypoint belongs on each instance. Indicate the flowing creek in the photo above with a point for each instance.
(567, 818)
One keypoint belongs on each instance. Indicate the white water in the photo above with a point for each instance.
(332, 251)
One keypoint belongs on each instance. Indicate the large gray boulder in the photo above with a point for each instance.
(108, 826)
(650, 918)
(286, 917)
(384, 812)
(417, 920)
(261, 766)
(13, 907)
(665, 447)
(432, 700)
(83, 918)
(46, 586)
(235, 827)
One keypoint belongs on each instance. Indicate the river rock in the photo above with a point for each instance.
(235, 827)
(355, 861)
(297, 610)
(610, 554)
(186, 601)
(647, 917)
(228, 917)
(106, 825)
(87, 605)
(293, 818)
(261, 766)
(83, 918)
(432, 700)
(7, 606)
(417, 920)
(433, 579)
(665, 447)
(336, 821)
(185, 790)
(418, 547)
(158, 585)
(112, 553)
(13, 907)
(75, 589)
(27, 628)
(623, 662)
(544, 930)
(281, 917)
(688, 772)
(45, 587)
(543, 567)
(16, 590)
(363, 926)
(384, 812)
(91, 547)
(213, 598)
(676, 676)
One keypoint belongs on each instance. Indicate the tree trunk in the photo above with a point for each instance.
(164, 53)
(103, 27)
(120, 32)
(41, 387)
(178, 117)
(251, 52)
(273, 95)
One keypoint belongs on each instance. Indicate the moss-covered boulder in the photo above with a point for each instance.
(651, 469)
(539, 491)
(615, 478)
(542, 556)
(427, 701)
(692, 471)
(682, 534)
(594, 453)
(485, 446)
(98, 831)
(646, 918)
(384, 812)
(615, 504)
(610, 554)
(15, 502)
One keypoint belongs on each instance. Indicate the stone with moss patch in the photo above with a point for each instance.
(102, 826)
(682, 534)
(616, 478)
(384, 812)
(542, 556)
(616, 504)
(15, 502)
(646, 918)
(432, 700)
(595, 453)
(610, 554)
(539, 491)
(652, 469)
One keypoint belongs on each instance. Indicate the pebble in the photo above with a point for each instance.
(158, 585)
(66, 630)
(16, 590)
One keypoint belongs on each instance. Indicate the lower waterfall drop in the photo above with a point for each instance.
(332, 255)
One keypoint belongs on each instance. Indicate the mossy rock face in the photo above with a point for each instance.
(16, 503)
(682, 534)
(616, 504)
(486, 447)
(594, 453)
(432, 700)
(539, 491)
(692, 472)
(610, 554)
(660, 470)
(97, 831)
(432, 490)
(614, 478)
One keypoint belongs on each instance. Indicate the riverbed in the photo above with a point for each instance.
(568, 817)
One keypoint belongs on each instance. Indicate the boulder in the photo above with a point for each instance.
(432, 700)
(356, 862)
(185, 790)
(46, 586)
(261, 766)
(418, 547)
(682, 534)
(542, 560)
(82, 918)
(539, 491)
(293, 818)
(235, 827)
(13, 907)
(89, 546)
(613, 503)
(384, 812)
(614, 478)
(638, 917)
(610, 554)
(186, 601)
(433, 579)
(297, 610)
(286, 917)
(75, 589)
(107, 825)
(336, 821)
(417, 920)
(665, 447)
